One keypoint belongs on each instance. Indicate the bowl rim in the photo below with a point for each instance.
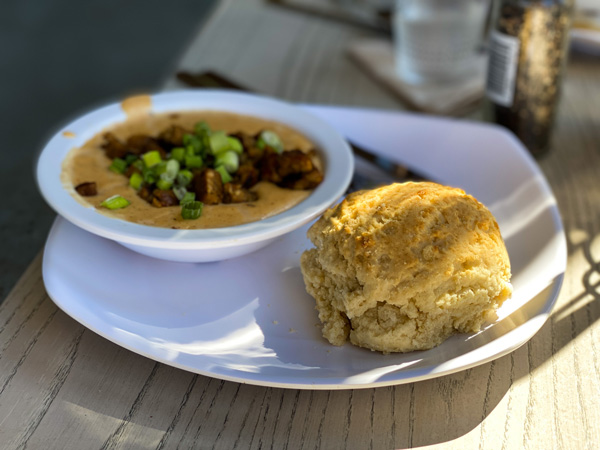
(334, 150)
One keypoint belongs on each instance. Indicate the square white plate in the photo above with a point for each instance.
(250, 320)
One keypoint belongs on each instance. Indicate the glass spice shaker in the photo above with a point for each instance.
(528, 47)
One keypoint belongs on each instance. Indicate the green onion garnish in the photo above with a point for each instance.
(202, 129)
(235, 145)
(225, 177)
(179, 192)
(118, 165)
(230, 160)
(191, 210)
(172, 168)
(159, 168)
(188, 197)
(178, 153)
(139, 164)
(193, 162)
(218, 142)
(270, 139)
(149, 176)
(151, 158)
(184, 177)
(164, 184)
(115, 202)
(136, 180)
(190, 140)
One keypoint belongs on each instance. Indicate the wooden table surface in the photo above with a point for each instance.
(62, 386)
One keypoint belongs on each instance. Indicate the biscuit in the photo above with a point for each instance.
(405, 266)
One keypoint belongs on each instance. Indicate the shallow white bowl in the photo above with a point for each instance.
(198, 245)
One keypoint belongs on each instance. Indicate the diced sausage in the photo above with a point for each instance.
(173, 136)
(145, 193)
(164, 197)
(87, 189)
(269, 167)
(208, 187)
(235, 193)
(293, 162)
(309, 180)
(113, 147)
(247, 175)
(139, 144)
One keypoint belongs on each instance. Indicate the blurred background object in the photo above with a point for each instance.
(60, 58)
(528, 48)
(437, 41)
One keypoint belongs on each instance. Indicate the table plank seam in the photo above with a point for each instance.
(113, 440)
(20, 327)
(175, 421)
(57, 384)
(27, 351)
(226, 419)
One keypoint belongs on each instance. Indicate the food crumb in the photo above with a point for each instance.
(275, 322)
(68, 134)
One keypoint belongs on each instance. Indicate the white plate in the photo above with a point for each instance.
(250, 320)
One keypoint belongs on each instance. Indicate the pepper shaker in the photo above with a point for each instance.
(528, 46)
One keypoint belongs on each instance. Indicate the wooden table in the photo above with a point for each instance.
(62, 386)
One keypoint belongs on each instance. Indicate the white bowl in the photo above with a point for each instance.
(198, 245)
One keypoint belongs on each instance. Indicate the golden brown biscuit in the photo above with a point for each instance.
(405, 266)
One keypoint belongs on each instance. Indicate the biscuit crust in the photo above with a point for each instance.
(405, 266)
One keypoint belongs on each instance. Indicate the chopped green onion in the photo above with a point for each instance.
(225, 177)
(230, 160)
(191, 210)
(202, 129)
(159, 168)
(130, 159)
(191, 140)
(235, 145)
(139, 165)
(118, 165)
(188, 197)
(164, 184)
(269, 139)
(179, 192)
(172, 168)
(178, 153)
(218, 142)
(189, 151)
(193, 162)
(115, 202)
(151, 158)
(136, 180)
(149, 176)
(184, 177)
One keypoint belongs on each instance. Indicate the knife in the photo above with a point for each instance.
(387, 171)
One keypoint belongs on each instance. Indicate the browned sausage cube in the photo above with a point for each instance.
(173, 136)
(87, 189)
(113, 147)
(164, 197)
(308, 180)
(208, 187)
(234, 193)
(293, 162)
(247, 175)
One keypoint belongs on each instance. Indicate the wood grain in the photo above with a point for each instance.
(63, 387)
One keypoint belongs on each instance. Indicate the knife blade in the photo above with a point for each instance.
(388, 171)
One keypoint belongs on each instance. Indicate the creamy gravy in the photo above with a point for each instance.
(89, 163)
